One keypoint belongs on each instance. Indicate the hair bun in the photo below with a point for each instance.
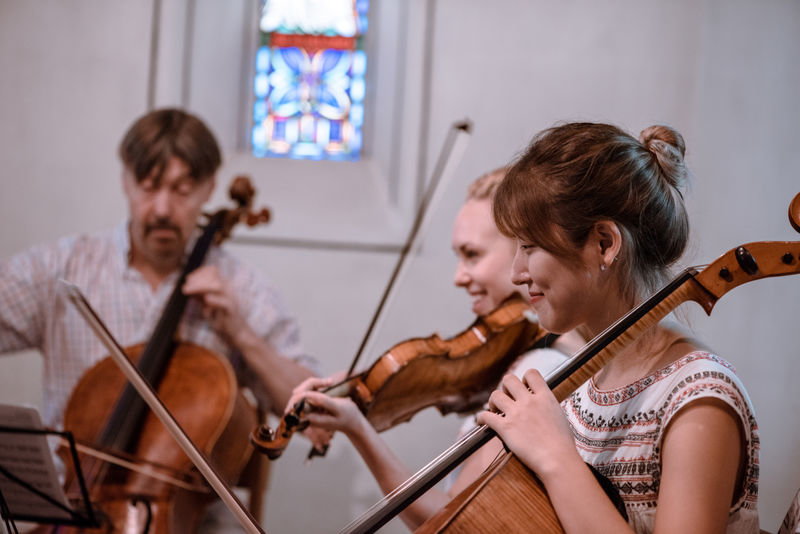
(668, 147)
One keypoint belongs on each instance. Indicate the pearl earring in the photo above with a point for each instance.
(603, 266)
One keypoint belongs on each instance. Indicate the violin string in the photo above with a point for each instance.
(343, 381)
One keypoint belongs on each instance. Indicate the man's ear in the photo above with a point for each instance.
(608, 239)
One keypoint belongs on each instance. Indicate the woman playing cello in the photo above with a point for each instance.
(484, 261)
(598, 219)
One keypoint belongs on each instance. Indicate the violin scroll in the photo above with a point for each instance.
(271, 442)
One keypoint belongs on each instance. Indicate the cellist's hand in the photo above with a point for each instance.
(326, 412)
(219, 303)
(531, 423)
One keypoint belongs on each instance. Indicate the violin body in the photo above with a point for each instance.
(455, 375)
(200, 390)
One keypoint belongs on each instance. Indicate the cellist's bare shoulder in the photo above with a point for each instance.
(701, 464)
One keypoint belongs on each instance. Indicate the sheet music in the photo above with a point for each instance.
(28, 457)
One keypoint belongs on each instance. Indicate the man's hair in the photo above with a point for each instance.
(163, 133)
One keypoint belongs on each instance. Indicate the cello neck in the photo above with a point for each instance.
(122, 428)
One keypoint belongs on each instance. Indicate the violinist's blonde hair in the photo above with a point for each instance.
(484, 187)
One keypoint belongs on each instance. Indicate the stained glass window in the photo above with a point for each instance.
(309, 81)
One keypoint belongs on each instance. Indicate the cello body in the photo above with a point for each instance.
(506, 498)
(197, 381)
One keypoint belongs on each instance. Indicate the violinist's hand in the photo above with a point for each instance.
(219, 303)
(328, 413)
(531, 423)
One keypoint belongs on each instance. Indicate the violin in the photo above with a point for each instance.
(137, 476)
(508, 485)
(454, 375)
(398, 384)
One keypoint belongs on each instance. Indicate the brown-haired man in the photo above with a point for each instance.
(170, 159)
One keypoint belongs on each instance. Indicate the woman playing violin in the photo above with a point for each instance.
(598, 219)
(484, 261)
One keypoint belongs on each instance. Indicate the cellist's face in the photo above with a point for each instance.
(484, 257)
(164, 211)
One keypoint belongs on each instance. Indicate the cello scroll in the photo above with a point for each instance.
(242, 192)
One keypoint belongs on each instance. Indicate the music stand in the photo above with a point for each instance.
(36, 498)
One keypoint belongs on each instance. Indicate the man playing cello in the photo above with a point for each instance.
(170, 159)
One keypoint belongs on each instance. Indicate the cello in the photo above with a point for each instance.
(138, 478)
(508, 485)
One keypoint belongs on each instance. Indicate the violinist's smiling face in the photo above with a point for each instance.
(164, 211)
(484, 256)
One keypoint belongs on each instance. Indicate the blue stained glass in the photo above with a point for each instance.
(279, 130)
(357, 89)
(359, 63)
(323, 132)
(259, 136)
(330, 59)
(262, 59)
(357, 115)
(309, 81)
(335, 132)
(260, 110)
(291, 58)
(261, 85)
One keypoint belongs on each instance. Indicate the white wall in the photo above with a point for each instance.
(73, 75)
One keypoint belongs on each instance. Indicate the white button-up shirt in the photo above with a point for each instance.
(35, 314)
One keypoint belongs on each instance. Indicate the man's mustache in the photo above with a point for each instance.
(161, 225)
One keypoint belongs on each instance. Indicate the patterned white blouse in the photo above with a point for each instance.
(620, 432)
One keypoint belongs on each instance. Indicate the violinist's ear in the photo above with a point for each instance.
(604, 243)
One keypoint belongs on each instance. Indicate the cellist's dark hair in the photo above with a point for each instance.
(160, 134)
(576, 174)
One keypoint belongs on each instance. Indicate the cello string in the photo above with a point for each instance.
(147, 471)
